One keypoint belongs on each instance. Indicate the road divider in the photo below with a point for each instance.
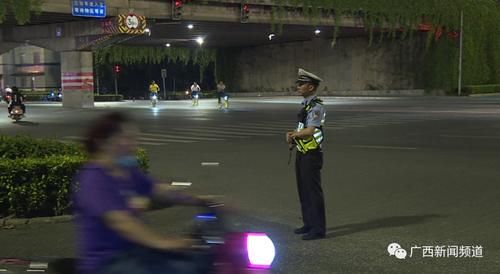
(209, 164)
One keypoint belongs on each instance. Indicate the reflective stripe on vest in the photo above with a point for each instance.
(312, 142)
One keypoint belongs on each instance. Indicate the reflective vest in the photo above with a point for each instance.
(312, 142)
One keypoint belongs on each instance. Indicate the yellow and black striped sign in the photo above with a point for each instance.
(131, 24)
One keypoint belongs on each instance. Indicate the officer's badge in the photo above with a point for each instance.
(316, 114)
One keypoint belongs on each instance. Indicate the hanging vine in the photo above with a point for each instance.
(392, 18)
(135, 55)
(21, 9)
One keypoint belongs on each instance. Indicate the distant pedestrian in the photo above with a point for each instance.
(195, 93)
(221, 89)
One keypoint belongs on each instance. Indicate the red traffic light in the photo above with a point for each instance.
(246, 8)
(178, 3)
(117, 68)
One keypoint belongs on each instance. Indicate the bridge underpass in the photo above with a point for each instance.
(218, 22)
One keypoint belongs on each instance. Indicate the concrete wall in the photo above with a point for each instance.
(350, 66)
(20, 68)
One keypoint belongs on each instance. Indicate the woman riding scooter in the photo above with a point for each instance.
(110, 194)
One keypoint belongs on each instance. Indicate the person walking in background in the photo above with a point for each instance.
(307, 138)
(153, 89)
(195, 93)
(221, 90)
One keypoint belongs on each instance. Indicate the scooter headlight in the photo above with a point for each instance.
(225, 98)
(261, 251)
(196, 96)
(154, 97)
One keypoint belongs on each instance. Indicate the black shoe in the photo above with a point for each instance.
(301, 230)
(313, 236)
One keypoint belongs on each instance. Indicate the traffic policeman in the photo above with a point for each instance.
(307, 139)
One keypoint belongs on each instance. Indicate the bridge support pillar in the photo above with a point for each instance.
(77, 79)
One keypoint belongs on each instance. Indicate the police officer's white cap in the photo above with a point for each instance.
(307, 77)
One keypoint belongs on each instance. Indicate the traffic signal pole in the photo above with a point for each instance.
(116, 83)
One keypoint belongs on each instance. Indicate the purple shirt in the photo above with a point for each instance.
(98, 193)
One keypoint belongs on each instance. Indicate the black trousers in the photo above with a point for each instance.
(308, 173)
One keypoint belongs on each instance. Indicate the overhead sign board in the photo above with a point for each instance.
(131, 23)
(89, 8)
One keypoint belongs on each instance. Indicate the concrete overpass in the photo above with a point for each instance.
(60, 31)
(218, 21)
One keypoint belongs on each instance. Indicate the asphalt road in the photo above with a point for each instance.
(421, 172)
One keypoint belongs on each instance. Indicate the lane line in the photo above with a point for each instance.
(152, 144)
(165, 140)
(253, 128)
(181, 137)
(204, 134)
(224, 133)
(209, 164)
(181, 184)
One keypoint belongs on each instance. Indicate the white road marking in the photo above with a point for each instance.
(223, 132)
(209, 164)
(151, 144)
(181, 137)
(164, 140)
(181, 183)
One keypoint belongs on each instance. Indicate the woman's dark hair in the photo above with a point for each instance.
(102, 129)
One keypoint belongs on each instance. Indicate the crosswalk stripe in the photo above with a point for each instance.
(216, 134)
(261, 128)
(245, 129)
(280, 125)
(222, 132)
(164, 140)
(181, 137)
(151, 144)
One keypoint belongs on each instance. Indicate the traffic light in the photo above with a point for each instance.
(177, 9)
(117, 69)
(245, 12)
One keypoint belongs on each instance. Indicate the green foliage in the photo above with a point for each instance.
(20, 8)
(481, 35)
(481, 89)
(17, 147)
(155, 55)
(36, 175)
(37, 186)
